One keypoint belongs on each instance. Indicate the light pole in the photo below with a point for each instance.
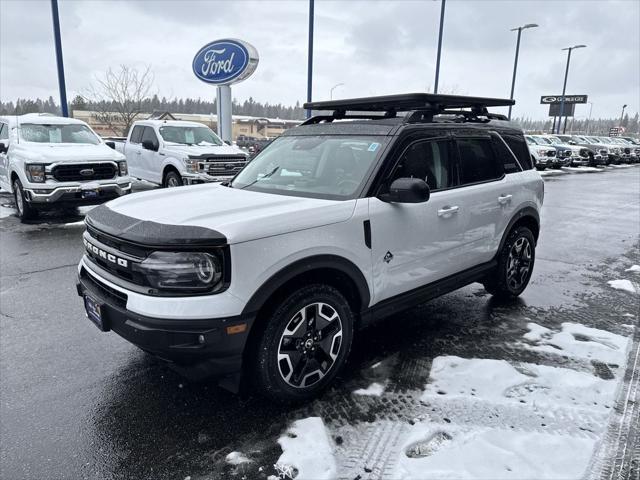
(56, 35)
(333, 88)
(564, 88)
(442, 5)
(310, 56)
(622, 114)
(515, 63)
(589, 119)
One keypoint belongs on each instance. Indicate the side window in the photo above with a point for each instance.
(149, 134)
(428, 160)
(4, 131)
(136, 135)
(477, 161)
(504, 154)
(519, 147)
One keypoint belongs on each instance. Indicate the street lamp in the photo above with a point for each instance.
(589, 119)
(442, 5)
(515, 63)
(564, 88)
(58, 42)
(310, 56)
(622, 114)
(336, 86)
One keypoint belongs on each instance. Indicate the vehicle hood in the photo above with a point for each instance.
(64, 152)
(239, 215)
(184, 150)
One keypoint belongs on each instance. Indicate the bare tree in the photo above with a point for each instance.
(117, 96)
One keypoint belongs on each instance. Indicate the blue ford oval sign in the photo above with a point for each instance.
(224, 62)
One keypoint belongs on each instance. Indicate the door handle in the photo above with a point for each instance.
(504, 199)
(448, 211)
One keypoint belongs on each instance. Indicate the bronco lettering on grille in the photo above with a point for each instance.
(109, 257)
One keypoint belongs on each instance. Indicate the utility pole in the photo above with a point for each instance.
(58, 41)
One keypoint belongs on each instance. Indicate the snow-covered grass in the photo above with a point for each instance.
(457, 453)
(579, 341)
(626, 285)
(375, 389)
(307, 448)
(633, 268)
(498, 381)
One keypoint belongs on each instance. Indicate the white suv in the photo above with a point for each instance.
(333, 225)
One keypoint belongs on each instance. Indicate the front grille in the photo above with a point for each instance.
(221, 165)
(225, 168)
(551, 153)
(565, 153)
(79, 172)
(117, 297)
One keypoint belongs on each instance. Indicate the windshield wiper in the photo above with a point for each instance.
(266, 175)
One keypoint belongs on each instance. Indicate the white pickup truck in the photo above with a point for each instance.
(175, 153)
(48, 161)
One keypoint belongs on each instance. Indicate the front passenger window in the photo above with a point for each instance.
(477, 161)
(428, 161)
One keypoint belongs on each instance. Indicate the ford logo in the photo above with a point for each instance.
(224, 62)
(86, 172)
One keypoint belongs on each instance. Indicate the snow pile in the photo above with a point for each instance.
(236, 458)
(6, 211)
(498, 381)
(579, 341)
(633, 268)
(375, 389)
(583, 169)
(625, 285)
(433, 451)
(307, 448)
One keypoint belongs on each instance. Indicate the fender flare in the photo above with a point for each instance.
(299, 267)
(520, 214)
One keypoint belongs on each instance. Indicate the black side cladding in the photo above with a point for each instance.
(145, 232)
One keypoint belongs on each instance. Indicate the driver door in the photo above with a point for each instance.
(4, 158)
(150, 159)
(414, 244)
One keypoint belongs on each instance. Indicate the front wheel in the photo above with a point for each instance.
(172, 179)
(515, 265)
(304, 345)
(24, 209)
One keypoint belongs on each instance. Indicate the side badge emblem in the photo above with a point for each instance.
(388, 257)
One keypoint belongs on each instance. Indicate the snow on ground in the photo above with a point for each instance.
(552, 173)
(626, 285)
(375, 389)
(6, 211)
(307, 448)
(633, 268)
(443, 452)
(236, 458)
(579, 341)
(582, 169)
(498, 381)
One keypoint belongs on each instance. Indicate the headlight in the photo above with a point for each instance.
(35, 172)
(182, 271)
(122, 168)
(191, 165)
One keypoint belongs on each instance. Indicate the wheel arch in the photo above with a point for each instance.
(525, 217)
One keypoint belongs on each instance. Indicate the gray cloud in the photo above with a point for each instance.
(373, 47)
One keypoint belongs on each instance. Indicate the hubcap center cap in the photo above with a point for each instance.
(308, 343)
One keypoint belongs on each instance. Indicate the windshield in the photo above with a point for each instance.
(330, 166)
(189, 135)
(542, 140)
(60, 133)
(554, 140)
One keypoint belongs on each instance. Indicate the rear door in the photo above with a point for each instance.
(416, 244)
(485, 195)
(133, 152)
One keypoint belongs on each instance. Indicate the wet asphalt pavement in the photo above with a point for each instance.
(78, 403)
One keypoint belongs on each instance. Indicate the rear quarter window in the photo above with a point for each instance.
(518, 146)
(505, 155)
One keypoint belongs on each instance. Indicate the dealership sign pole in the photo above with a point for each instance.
(223, 63)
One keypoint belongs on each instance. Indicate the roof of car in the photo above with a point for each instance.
(40, 118)
(170, 123)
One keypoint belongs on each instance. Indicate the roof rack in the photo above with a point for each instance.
(421, 107)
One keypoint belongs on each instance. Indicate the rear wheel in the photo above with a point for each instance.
(172, 179)
(24, 209)
(304, 345)
(515, 265)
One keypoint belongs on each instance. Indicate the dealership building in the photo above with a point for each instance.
(259, 127)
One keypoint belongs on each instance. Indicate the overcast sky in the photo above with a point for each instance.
(373, 47)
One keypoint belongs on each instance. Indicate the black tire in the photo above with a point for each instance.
(540, 167)
(505, 281)
(289, 368)
(23, 208)
(172, 179)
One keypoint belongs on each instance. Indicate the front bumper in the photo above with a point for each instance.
(74, 193)
(197, 178)
(196, 348)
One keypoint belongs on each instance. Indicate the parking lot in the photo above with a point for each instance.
(463, 386)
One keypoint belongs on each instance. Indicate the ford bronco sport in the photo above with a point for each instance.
(343, 220)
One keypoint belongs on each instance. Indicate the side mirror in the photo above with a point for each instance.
(3, 147)
(110, 144)
(149, 145)
(407, 190)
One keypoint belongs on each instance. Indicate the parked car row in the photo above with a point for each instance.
(556, 151)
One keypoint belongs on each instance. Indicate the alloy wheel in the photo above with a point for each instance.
(519, 263)
(309, 345)
(18, 196)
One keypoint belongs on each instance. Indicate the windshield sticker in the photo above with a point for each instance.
(189, 136)
(373, 147)
(55, 135)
